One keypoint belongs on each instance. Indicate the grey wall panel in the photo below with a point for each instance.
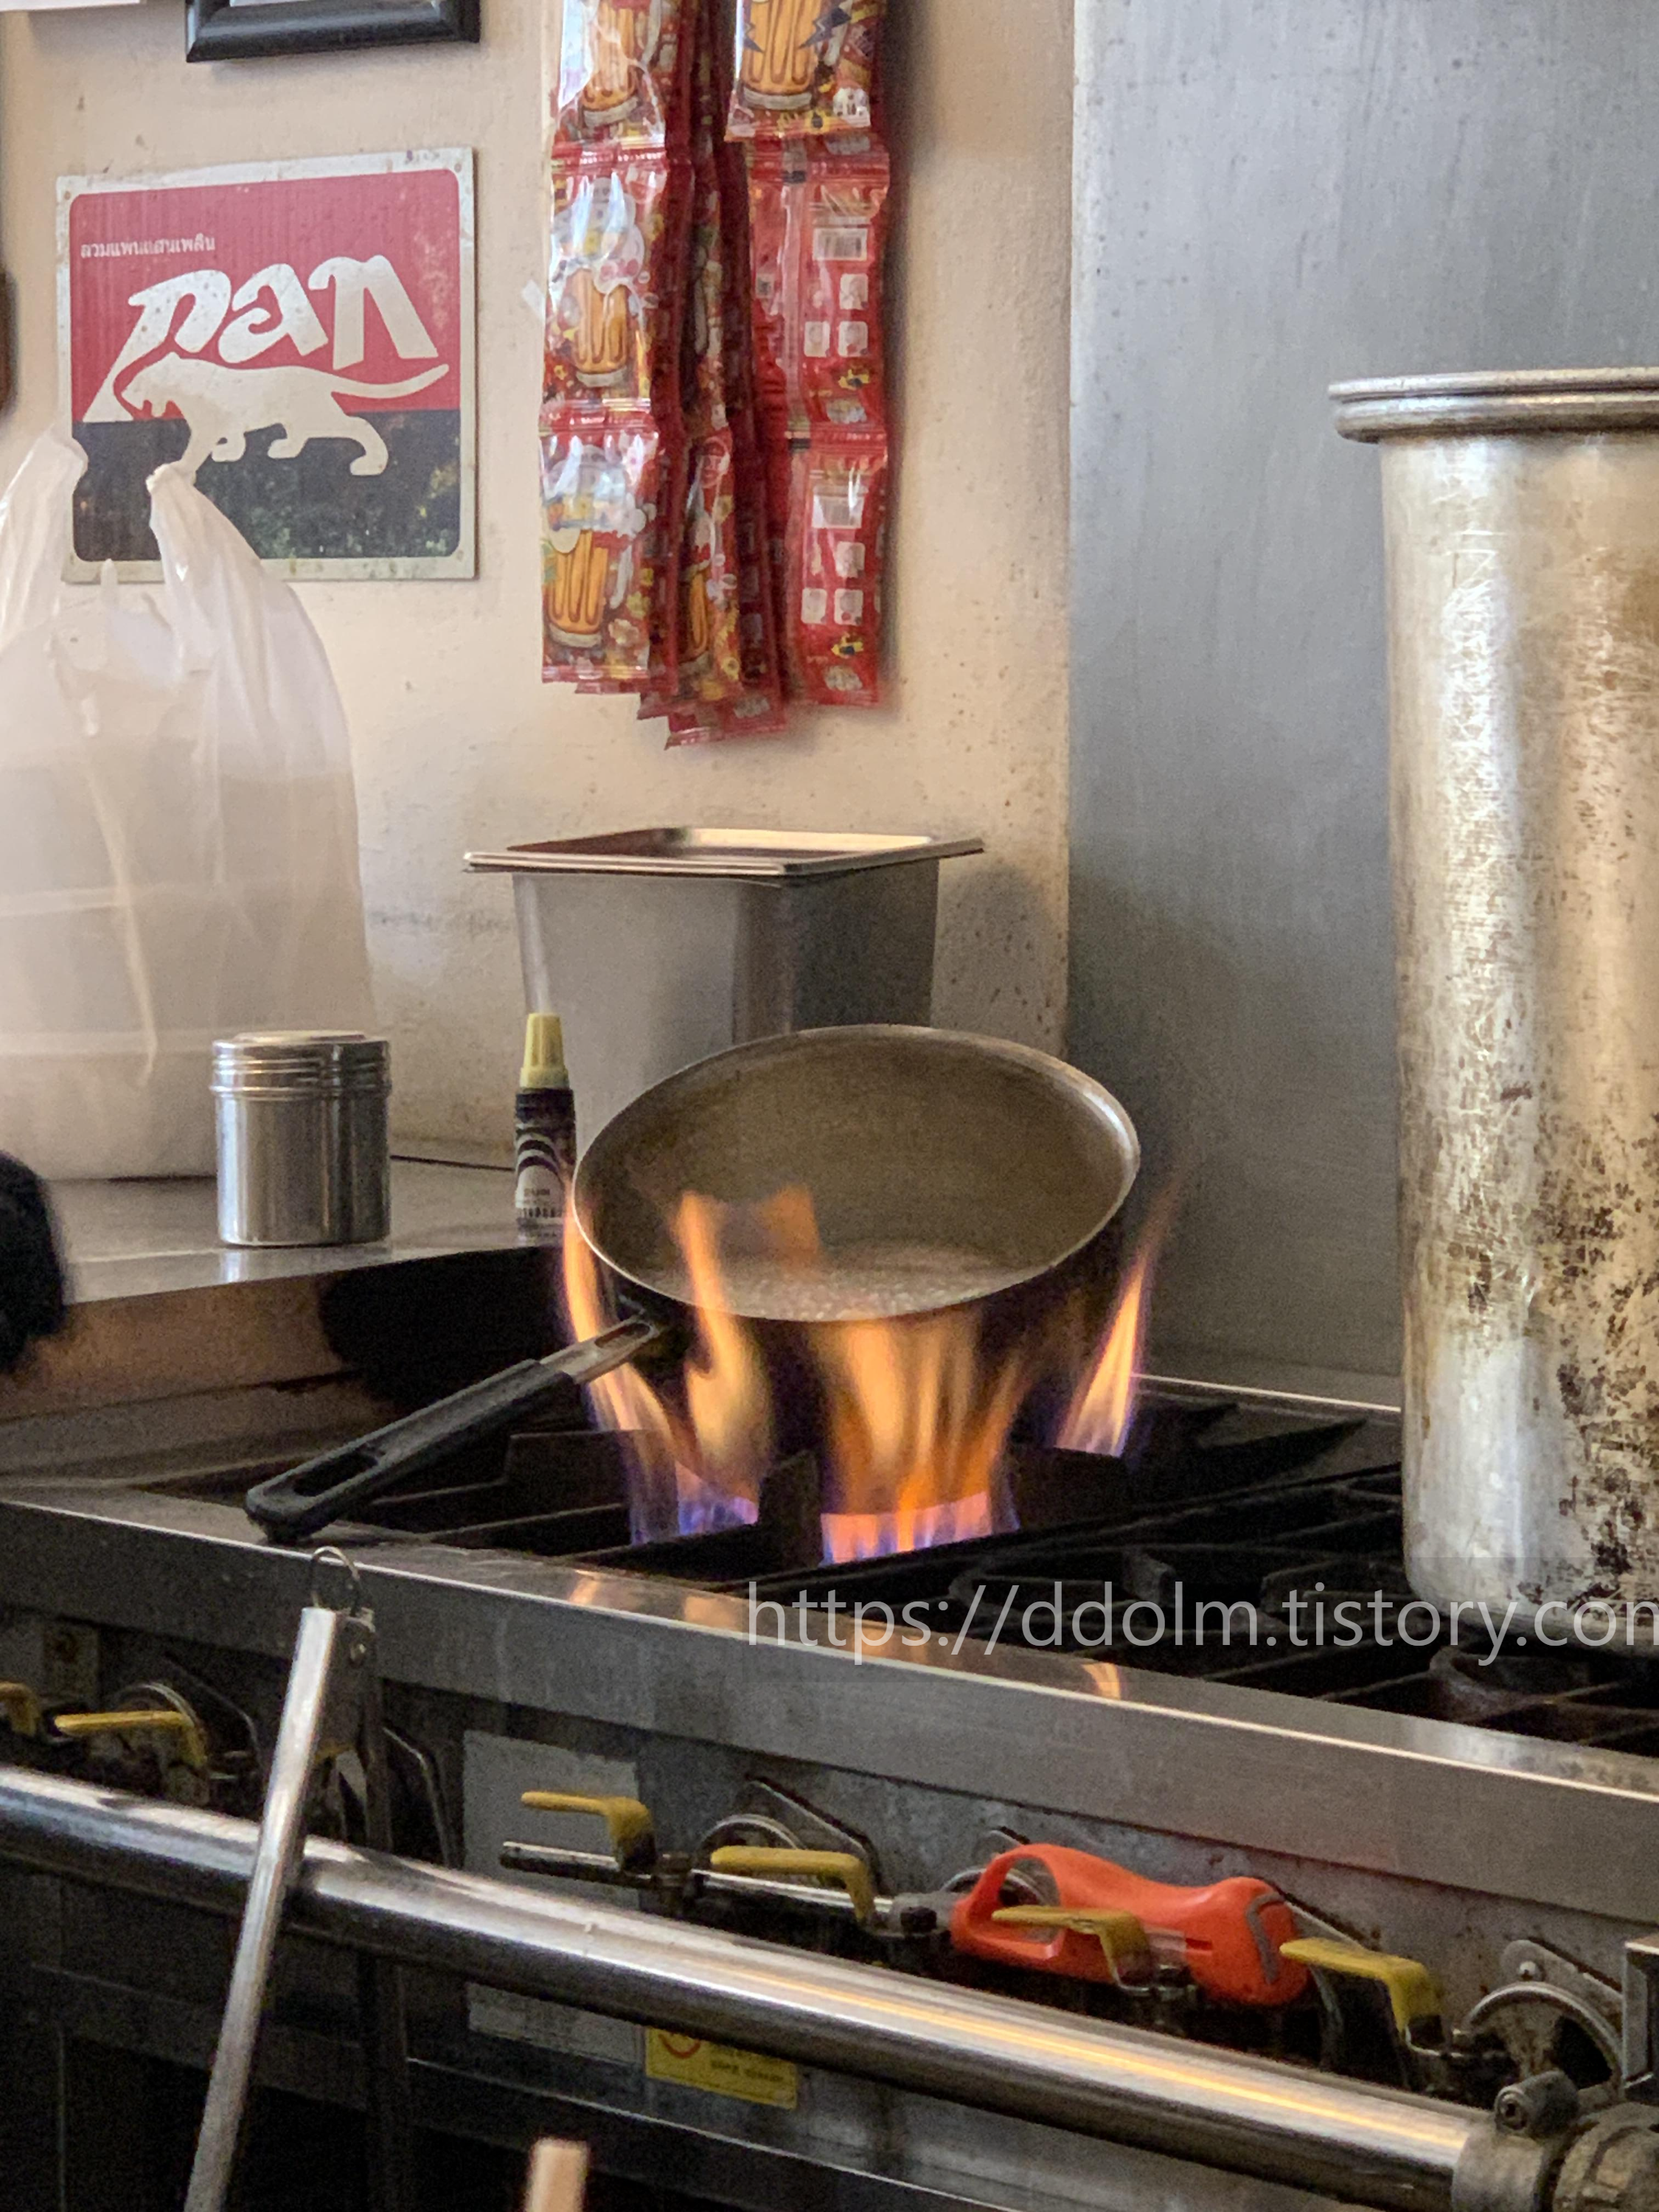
(1272, 194)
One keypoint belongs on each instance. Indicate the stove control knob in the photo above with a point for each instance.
(1413, 1999)
(808, 1870)
(627, 1823)
(20, 1707)
(1121, 1937)
(144, 1745)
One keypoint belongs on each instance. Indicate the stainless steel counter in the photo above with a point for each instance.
(161, 1311)
(126, 1240)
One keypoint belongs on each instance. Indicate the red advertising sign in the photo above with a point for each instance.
(299, 335)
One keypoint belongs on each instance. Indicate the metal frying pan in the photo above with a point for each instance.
(942, 1169)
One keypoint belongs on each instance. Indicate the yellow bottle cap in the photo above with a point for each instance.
(543, 1055)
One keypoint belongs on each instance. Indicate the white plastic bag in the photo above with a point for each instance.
(177, 832)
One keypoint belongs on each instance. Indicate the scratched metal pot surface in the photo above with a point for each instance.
(1522, 517)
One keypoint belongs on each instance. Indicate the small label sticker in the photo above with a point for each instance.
(854, 292)
(538, 1200)
(849, 607)
(815, 341)
(839, 507)
(814, 605)
(853, 341)
(849, 556)
(842, 242)
(719, 2070)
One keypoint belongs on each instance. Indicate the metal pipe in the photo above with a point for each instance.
(1251, 2116)
(279, 1841)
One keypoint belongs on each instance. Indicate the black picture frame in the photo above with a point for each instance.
(219, 31)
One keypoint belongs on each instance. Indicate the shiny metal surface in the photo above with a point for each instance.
(1376, 2145)
(765, 856)
(304, 1156)
(1599, 2031)
(659, 963)
(1002, 1161)
(130, 1240)
(1523, 612)
(1542, 1824)
(319, 1657)
(1530, 402)
(1272, 195)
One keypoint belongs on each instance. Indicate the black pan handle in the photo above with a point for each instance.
(294, 1505)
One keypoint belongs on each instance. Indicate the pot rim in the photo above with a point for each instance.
(1516, 401)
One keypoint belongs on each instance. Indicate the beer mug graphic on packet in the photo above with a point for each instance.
(622, 39)
(593, 520)
(788, 43)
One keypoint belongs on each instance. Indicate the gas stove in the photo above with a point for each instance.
(1247, 1541)
(1133, 1663)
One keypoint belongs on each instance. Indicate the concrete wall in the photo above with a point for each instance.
(1272, 194)
(457, 742)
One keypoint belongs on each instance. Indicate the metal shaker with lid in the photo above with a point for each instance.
(304, 1154)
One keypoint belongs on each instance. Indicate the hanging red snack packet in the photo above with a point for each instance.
(703, 366)
(613, 281)
(728, 685)
(751, 715)
(804, 68)
(602, 551)
(819, 224)
(623, 73)
(778, 487)
(711, 648)
(710, 657)
(658, 560)
(757, 596)
(836, 545)
(842, 240)
(775, 175)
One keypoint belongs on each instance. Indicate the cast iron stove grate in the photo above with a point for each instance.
(1261, 1513)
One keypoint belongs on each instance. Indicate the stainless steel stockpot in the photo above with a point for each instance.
(1521, 515)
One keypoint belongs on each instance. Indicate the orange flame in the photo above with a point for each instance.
(878, 1535)
(676, 1489)
(917, 1413)
(1102, 1407)
(728, 1399)
(917, 1421)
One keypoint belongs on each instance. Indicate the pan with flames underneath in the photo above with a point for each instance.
(899, 1201)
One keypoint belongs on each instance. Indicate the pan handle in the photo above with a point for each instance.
(294, 1505)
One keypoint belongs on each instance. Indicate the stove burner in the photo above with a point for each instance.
(1219, 1515)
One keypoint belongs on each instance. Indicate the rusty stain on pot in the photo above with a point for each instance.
(1523, 575)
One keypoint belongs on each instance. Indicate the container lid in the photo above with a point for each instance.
(757, 855)
(1536, 400)
(543, 1066)
(288, 1061)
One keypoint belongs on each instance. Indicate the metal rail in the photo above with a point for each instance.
(1251, 2116)
(279, 1847)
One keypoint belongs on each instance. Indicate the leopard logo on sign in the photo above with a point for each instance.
(298, 335)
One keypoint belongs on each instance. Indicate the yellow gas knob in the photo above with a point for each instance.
(1123, 1939)
(20, 1707)
(166, 1721)
(1413, 1993)
(627, 1823)
(844, 1868)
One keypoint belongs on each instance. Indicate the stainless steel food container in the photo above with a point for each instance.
(304, 1156)
(658, 947)
(1522, 530)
